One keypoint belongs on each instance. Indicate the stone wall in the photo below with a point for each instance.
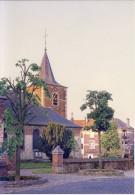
(72, 166)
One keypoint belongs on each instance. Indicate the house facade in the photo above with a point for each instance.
(89, 139)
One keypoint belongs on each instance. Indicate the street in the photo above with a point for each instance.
(94, 186)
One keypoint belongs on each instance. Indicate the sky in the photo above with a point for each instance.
(90, 45)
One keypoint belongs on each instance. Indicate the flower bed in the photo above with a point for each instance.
(24, 181)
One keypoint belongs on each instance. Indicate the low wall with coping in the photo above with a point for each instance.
(73, 165)
(3, 169)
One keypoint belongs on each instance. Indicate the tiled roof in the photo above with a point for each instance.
(42, 119)
(83, 122)
(46, 71)
(80, 122)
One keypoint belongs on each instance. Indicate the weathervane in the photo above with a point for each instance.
(45, 38)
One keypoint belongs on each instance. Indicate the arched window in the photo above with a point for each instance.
(55, 99)
(36, 134)
(92, 144)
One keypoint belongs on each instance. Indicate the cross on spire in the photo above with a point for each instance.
(45, 38)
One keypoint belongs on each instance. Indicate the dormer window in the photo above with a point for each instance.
(55, 99)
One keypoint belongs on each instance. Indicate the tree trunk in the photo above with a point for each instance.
(17, 175)
(73, 154)
(100, 152)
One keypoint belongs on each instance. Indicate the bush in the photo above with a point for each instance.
(111, 155)
(56, 134)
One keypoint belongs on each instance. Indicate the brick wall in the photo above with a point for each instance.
(61, 91)
(61, 107)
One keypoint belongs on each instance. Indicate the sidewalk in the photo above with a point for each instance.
(129, 173)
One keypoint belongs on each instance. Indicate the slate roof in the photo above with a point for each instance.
(3, 97)
(46, 71)
(120, 123)
(42, 119)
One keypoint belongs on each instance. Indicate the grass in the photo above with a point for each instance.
(43, 171)
(35, 165)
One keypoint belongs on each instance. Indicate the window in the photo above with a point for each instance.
(36, 134)
(81, 146)
(81, 135)
(124, 133)
(38, 154)
(92, 144)
(55, 99)
(92, 134)
(90, 156)
(5, 134)
(22, 147)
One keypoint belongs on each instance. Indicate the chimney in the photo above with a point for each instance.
(85, 120)
(128, 122)
(72, 119)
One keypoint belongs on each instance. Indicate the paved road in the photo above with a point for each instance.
(74, 184)
(95, 186)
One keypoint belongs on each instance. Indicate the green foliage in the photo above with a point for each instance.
(16, 137)
(114, 125)
(22, 100)
(100, 112)
(111, 155)
(35, 165)
(97, 102)
(20, 94)
(110, 138)
(43, 171)
(56, 134)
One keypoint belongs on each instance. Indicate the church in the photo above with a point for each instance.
(56, 108)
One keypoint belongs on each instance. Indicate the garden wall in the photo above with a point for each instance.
(72, 166)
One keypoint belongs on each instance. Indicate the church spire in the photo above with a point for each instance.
(46, 71)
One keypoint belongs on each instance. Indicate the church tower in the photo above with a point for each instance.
(58, 101)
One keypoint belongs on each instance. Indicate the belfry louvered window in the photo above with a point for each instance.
(55, 99)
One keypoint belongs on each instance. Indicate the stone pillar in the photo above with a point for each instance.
(57, 160)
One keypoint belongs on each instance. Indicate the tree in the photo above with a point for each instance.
(100, 112)
(110, 138)
(56, 134)
(20, 94)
